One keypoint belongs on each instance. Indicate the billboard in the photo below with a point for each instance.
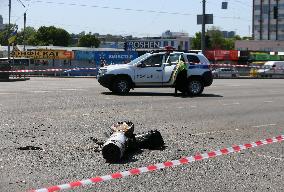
(144, 44)
(222, 55)
(44, 54)
(109, 57)
(208, 19)
(265, 57)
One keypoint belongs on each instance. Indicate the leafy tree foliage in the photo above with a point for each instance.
(29, 36)
(196, 41)
(214, 40)
(52, 35)
(4, 35)
(89, 41)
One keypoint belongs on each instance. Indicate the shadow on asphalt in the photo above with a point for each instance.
(130, 156)
(210, 95)
(14, 80)
(161, 94)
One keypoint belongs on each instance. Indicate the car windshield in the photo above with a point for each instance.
(139, 58)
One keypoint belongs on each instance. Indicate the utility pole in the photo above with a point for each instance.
(277, 18)
(253, 35)
(24, 33)
(268, 27)
(203, 27)
(9, 27)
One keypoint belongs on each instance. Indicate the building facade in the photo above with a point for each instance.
(268, 19)
(178, 43)
(229, 34)
(268, 27)
(260, 45)
(177, 40)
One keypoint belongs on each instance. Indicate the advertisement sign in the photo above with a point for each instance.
(144, 44)
(44, 54)
(208, 19)
(222, 55)
(265, 57)
(109, 57)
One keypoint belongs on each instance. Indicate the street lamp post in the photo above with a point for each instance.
(9, 27)
(203, 27)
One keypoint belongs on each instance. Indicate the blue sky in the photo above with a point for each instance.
(110, 16)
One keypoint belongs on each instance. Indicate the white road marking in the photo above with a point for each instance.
(40, 91)
(7, 93)
(228, 104)
(180, 107)
(268, 101)
(212, 132)
(257, 126)
(70, 89)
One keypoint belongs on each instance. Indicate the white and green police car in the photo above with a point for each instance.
(157, 70)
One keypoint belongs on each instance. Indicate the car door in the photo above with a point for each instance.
(228, 72)
(170, 65)
(149, 72)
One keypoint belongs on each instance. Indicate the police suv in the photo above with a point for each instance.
(157, 70)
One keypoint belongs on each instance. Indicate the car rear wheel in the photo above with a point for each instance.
(195, 87)
(121, 86)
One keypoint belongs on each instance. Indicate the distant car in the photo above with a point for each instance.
(81, 72)
(225, 72)
(272, 69)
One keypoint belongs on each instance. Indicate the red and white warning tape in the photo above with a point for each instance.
(43, 70)
(228, 65)
(55, 70)
(185, 160)
(243, 66)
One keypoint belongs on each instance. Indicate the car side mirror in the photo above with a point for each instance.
(141, 65)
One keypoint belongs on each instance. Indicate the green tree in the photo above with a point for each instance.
(246, 38)
(52, 35)
(89, 41)
(4, 37)
(4, 34)
(196, 41)
(229, 44)
(29, 33)
(216, 38)
(237, 37)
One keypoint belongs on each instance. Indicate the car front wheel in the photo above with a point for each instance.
(121, 86)
(195, 87)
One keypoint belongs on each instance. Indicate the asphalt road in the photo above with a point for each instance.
(57, 117)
